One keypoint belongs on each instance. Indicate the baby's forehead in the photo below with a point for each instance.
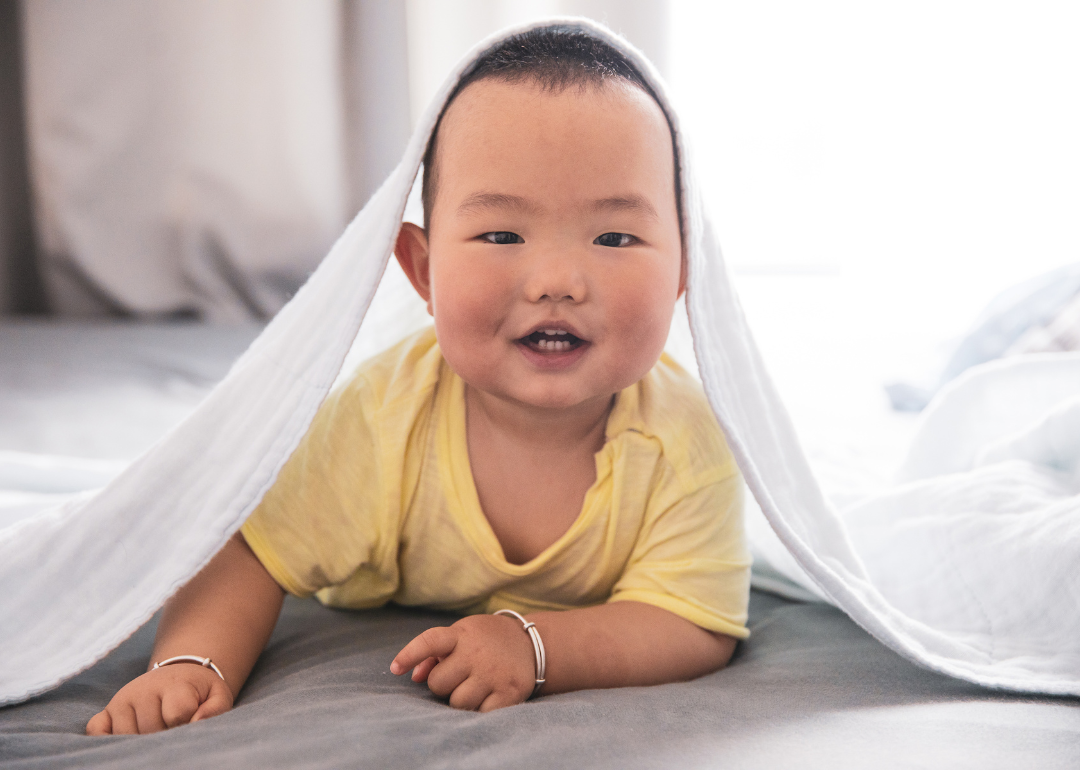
(497, 108)
(599, 92)
(513, 130)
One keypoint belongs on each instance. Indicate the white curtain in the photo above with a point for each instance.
(441, 32)
(201, 156)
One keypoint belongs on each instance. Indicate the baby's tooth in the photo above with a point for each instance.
(562, 344)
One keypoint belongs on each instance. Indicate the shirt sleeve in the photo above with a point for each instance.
(321, 520)
(691, 556)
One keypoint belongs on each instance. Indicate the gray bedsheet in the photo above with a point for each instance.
(808, 690)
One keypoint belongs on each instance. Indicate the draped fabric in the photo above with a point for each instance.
(186, 157)
(938, 571)
(199, 157)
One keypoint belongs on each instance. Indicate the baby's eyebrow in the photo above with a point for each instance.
(482, 201)
(486, 200)
(632, 203)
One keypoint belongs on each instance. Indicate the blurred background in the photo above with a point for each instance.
(199, 158)
(172, 170)
(899, 163)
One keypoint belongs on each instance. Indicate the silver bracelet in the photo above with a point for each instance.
(204, 662)
(538, 648)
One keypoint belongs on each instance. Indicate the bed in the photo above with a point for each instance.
(809, 688)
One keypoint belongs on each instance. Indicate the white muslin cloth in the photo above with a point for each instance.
(972, 573)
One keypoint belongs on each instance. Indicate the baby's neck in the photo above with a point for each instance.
(547, 429)
(532, 468)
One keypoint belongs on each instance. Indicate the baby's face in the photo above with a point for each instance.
(553, 258)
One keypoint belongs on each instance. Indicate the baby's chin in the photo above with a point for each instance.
(548, 399)
(565, 403)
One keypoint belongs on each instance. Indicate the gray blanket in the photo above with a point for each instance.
(808, 690)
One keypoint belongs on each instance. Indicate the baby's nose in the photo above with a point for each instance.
(556, 278)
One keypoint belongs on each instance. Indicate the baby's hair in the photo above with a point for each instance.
(554, 58)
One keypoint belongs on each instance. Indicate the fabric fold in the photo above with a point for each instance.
(81, 577)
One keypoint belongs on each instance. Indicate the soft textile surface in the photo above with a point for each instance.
(808, 690)
(1022, 319)
(106, 390)
(79, 401)
(79, 578)
(1060, 334)
(209, 171)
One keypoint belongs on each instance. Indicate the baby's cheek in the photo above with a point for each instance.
(464, 298)
(645, 313)
(483, 312)
(469, 319)
(639, 341)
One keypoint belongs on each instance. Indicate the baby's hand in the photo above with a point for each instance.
(482, 662)
(162, 698)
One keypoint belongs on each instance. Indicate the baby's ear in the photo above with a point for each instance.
(412, 254)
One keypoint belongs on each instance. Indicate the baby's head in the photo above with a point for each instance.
(551, 257)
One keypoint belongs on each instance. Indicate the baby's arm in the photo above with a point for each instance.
(226, 613)
(486, 662)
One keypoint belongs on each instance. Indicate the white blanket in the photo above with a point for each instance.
(972, 574)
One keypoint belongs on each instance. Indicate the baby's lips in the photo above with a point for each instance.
(557, 326)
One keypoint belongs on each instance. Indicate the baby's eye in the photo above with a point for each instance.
(502, 238)
(614, 240)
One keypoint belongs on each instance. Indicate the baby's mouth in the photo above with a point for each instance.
(551, 341)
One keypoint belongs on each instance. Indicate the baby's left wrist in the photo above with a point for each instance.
(538, 650)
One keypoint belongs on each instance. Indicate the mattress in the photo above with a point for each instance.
(809, 687)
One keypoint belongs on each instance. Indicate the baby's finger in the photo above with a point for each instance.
(468, 695)
(123, 719)
(448, 675)
(178, 705)
(148, 715)
(498, 700)
(217, 702)
(436, 642)
(420, 673)
(99, 724)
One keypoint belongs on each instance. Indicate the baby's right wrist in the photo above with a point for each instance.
(196, 659)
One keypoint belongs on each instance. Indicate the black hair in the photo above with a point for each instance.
(555, 58)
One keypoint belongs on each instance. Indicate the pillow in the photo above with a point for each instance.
(1022, 319)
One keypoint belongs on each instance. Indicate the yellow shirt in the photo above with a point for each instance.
(378, 504)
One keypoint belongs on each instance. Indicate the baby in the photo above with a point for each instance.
(534, 451)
